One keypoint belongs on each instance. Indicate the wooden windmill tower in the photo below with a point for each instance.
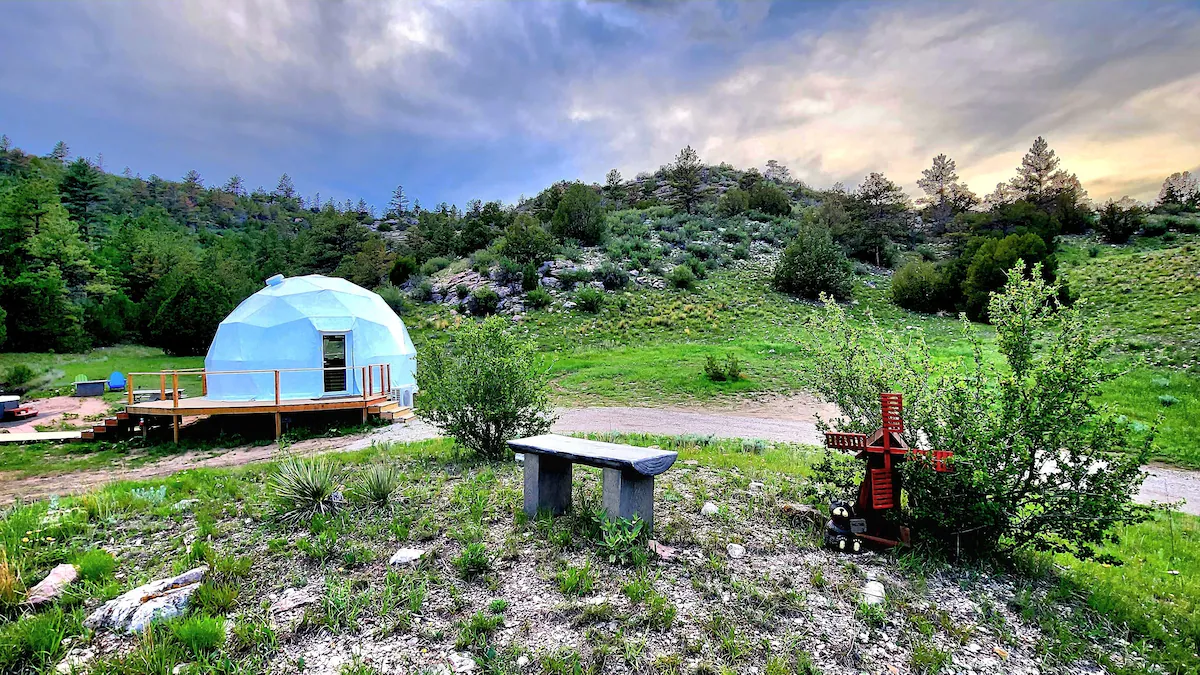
(879, 492)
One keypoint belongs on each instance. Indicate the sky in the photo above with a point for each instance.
(493, 100)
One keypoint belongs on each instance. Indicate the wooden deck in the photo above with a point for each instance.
(201, 405)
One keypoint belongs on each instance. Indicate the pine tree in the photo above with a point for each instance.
(399, 201)
(1040, 181)
(1180, 188)
(879, 209)
(614, 186)
(235, 186)
(684, 178)
(192, 179)
(61, 152)
(945, 196)
(5, 143)
(81, 190)
(285, 189)
(777, 172)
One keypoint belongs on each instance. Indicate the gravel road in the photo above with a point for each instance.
(785, 419)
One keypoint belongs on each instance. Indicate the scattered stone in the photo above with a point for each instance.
(461, 663)
(755, 486)
(181, 668)
(522, 661)
(405, 556)
(76, 661)
(52, 586)
(799, 514)
(1001, 652)
(709, 509)
(292, 598)
(691, 462)
(134, 610)
(185, 504)
(873, 593)
(735, 551)
(663, 551)
(570, 304)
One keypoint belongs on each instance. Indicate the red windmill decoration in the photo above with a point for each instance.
(879, 492)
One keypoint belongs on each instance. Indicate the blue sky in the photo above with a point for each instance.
(491, 100)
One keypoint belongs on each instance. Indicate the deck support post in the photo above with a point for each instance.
(129, 385)
(628, 494)
(278, 425)
(162, 386)
(277, 387)
(175, 423)
(203, 383)
(175, 389)
(547, 485)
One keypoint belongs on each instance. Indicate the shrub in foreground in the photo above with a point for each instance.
(681, 277)
(813, 264)
(485, 388)
(1033, 415)
(302, 489)
(589, 300)
(917, 286)
(538, 298)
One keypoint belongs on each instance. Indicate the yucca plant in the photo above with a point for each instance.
(377, 484)
(302, 489)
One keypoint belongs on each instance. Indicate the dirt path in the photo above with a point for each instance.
(781, 419)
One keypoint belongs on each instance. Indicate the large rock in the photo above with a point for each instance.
(52, 586)
(293, 598)
(133, 611)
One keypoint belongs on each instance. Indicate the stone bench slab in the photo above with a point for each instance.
(645, 461)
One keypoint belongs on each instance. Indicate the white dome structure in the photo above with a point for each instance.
(319, 332)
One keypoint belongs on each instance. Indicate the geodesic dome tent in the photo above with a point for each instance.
(318, 332)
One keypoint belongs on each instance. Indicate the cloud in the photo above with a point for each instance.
(499, 98)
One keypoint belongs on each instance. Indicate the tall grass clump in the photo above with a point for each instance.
(95, 564)
(377, 484)
(199, 634)
(302, 489)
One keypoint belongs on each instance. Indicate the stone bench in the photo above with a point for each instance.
(629, 473)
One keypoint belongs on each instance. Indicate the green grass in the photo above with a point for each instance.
(59, 370)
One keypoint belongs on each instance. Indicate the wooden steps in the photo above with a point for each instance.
(391, 410)
(114, 428)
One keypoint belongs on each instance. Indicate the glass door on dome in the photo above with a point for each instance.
(333, 348)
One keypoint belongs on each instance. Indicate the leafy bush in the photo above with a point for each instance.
(770, 199)
(19, 375)
(734, 202)
(569, 278)
(611, 276)
(1118, 222)
(422, 291)
(462, 291)
(730, 370)
(1154, 228)
(394, 298)
(434, 265)
(302, 489)
(529, 277)
(989, 267)
(404, 267)
(579, 216)
(377, 484)
(482, 261)
(589, 300)
(526, 241)
(1167, 400)
(1031, 416)
(681, 277)
(95, 564)
(623, 541)
(918, 286)
(486, 388)
(485, 301)
(538, 298)
(199, 634)
(813, 264)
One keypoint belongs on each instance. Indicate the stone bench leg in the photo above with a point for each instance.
(547, 485)
(628, 494)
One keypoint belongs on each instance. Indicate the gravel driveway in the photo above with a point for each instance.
(786, 419)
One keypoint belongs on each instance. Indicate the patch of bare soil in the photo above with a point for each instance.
(51, 412)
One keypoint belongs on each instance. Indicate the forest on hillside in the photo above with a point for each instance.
(91, 258)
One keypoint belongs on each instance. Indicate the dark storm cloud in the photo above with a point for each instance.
(460, 99)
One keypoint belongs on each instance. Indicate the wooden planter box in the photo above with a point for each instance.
(90, 388)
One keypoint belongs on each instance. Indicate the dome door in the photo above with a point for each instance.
(333, 351)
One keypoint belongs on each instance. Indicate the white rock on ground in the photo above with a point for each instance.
(735, 550)
(76, 661)
(292, 598)
(709, 509)
(405, 556)
(461, 663)
(873, 593)
(52, 586)
(135, 609)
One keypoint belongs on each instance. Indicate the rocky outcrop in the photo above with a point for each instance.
(134, 610)
(52, 586)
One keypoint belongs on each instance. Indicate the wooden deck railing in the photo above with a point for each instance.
(367, 387)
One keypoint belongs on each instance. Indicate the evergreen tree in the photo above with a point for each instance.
(945, 196)
(614, 187)
(285, 189)
(684, 178)
(579, 216)
(1180, 189)
(60, 153)
(235, 186)
(81, 190)
(399, 202)
(879, 213)
(777, 172)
